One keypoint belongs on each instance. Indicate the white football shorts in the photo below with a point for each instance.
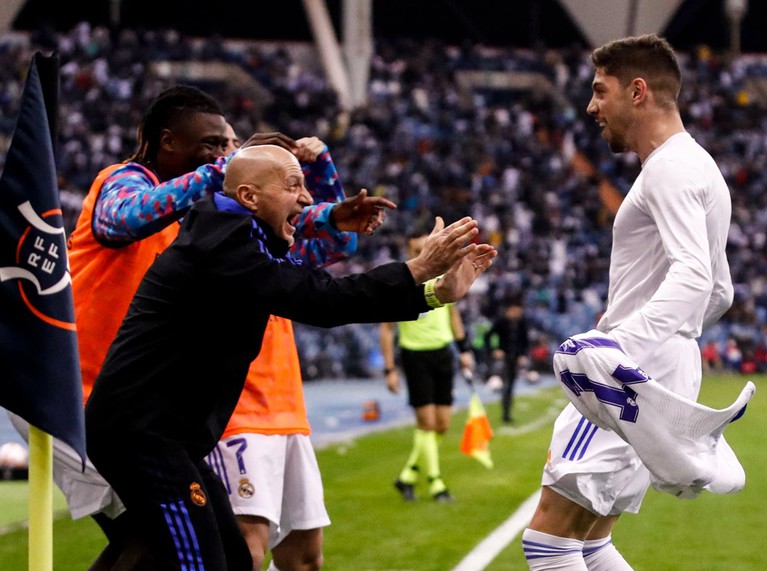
(596, 468)
(274, 476)
(87, 493)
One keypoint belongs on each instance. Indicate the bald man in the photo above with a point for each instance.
(176, 368)
(266, 459)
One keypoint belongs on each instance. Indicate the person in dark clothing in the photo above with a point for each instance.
(511, 331)
(175, 370)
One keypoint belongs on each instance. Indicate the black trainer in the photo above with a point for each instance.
(407, 490)
(443, 497)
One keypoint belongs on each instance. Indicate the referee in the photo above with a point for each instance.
(427, 359)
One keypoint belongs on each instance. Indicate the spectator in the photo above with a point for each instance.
(732, 356)
(529, 168)
(712, 360)
(540, 354)
(511, 330)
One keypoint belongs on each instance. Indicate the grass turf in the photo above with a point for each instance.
(374, 530)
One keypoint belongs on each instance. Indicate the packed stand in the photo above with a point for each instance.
(503, 156)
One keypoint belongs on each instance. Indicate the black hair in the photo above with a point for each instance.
(514, 298)
(648, 56)
(166, 111)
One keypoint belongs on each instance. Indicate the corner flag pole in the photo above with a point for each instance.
(38, 339)
(40, 500)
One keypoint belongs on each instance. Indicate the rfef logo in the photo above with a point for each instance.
(42, 269)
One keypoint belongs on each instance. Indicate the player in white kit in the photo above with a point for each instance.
(669, 280)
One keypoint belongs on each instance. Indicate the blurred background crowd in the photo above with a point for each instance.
(500, 134)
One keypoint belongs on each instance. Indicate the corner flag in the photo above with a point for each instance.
(39, 363)
(477, 431)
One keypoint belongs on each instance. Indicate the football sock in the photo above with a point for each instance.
(601, 555)
(409, 473)
(431, 462)
(272, 567)
(544, 551)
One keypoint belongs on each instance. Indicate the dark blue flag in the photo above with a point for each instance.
(39, 363)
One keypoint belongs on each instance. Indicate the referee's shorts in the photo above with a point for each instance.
(429, 375)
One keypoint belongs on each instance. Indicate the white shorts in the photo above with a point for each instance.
(87, 493)
(596, 468)
(273, 476)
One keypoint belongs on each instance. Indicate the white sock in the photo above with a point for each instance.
(272, 567)
(544, 551)
(601, 555)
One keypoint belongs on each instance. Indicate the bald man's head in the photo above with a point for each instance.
(256, 164)
(268, 181)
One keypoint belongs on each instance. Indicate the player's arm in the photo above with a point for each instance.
(721, 295)
(677, 205)
(327, 232)
(395, 291)
(327, 244)
(131, 206)
(320, 174)
(318, 241)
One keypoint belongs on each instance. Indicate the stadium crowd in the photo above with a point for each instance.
(522, 158)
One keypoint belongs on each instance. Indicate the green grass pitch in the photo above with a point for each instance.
(374, 530)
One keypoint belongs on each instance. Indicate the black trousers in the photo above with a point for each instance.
(178, 506)
(507, 392)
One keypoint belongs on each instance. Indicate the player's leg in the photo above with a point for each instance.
(554, 539)
(599, 553)
(236, 550)
(591, 475)
(88, 493)
(136, 556)
(442, 416)
(252, 468)
(408, 476)
(507, 392)
(256, 532)
(301, 550)
(419, 399)
(676, 365)
(442, 374)
(126, 549)
(106, 559)
(426, 419)
(544, 552)
(167, 495)
(298, 547)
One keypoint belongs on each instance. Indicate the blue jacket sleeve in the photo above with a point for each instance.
(131, 207)
(318, 242)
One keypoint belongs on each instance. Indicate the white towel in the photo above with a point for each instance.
(679, 440)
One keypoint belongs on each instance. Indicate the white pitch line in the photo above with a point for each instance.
(489, 548)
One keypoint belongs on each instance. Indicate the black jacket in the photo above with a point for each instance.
(178, 363)
(513, 337)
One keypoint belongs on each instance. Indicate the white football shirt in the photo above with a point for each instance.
(668, 268)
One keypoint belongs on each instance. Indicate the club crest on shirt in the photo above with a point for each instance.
(197, 494)
(246, 489)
